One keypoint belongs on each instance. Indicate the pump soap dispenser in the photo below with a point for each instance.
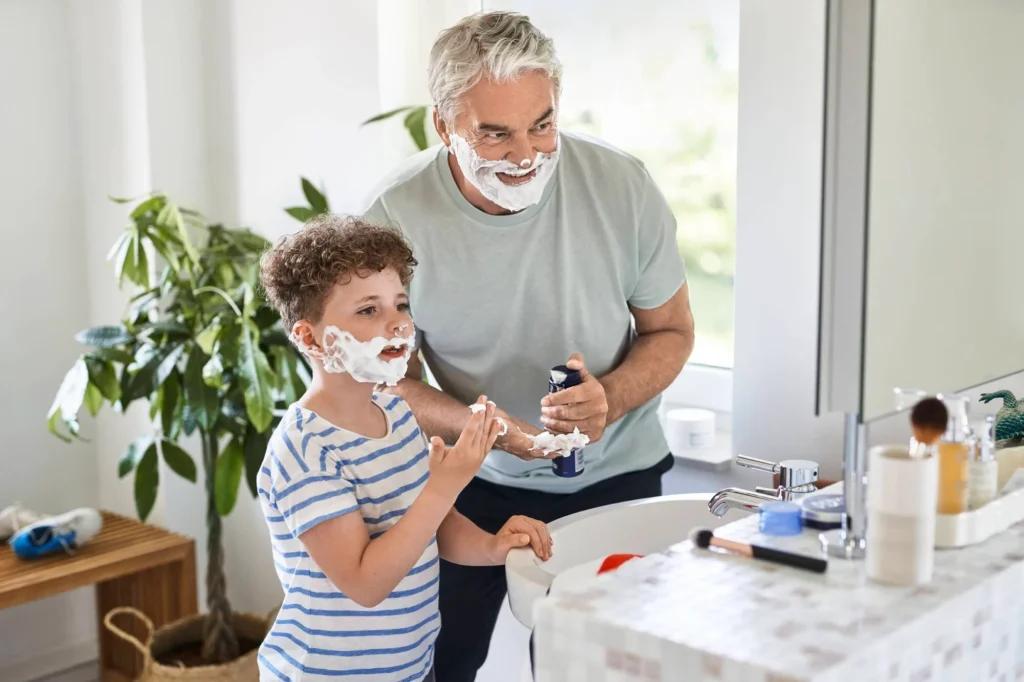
(954, 451)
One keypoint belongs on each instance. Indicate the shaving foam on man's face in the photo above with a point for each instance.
(484, 175)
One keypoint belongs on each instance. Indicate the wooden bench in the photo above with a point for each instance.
(131, 564)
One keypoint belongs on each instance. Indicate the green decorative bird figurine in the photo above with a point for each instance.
(1009, 417)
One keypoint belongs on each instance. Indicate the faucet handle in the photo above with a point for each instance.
(795, 473)
(758, 464)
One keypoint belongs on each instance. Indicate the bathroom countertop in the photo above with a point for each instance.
(695, 615)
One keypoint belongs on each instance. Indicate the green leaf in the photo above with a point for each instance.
(130, 458)
(316, 199)
(147, 482)
(170, 217)
(255, 449)
(137, 266)
(227, 346)
(208, 336)
(415, 123)
(179, 461)
(257, 380)
(164, 250)
(68, 401)
(147, 206)
(155, 370)
(300, 213)
(118, 252)
(213, 373)
(108, 336)
(287, 378)
(112, 355)
(201, 399)
(103, 376)
(93, 399)
(171, 405)
(386, 115)
(227, 477)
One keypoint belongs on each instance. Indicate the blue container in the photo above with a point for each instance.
(780, 518)
(561, 378)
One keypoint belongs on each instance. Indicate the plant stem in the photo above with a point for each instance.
(220, 642)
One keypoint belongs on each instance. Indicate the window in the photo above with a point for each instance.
(658, 79)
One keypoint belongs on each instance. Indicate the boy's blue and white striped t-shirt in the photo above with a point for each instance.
(314, 471)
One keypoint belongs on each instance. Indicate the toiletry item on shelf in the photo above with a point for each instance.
(705, 539)
(689, 428)
(928, 419)
(984, 469)
(954, 453)
(823, 511)
(902, 495)
(780, 518)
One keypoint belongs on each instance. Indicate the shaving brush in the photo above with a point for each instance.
(928, 420)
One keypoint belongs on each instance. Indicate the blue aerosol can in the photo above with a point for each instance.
(561, 378)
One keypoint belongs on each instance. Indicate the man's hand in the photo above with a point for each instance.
(520, 531)
(583, 407)
(517, 441)
(451, 469)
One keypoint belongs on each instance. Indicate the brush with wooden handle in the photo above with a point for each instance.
(704, 539)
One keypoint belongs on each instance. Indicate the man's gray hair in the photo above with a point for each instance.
(496, 45)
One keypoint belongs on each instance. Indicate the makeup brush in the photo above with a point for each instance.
(928, 420)
(705, 538)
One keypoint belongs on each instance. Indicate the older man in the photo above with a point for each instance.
(535, 247)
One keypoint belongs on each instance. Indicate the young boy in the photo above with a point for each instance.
(359, 507)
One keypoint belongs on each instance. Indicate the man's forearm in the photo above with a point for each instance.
(654, 361)
(441, 415)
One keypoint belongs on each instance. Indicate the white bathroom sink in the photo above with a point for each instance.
(583, 540)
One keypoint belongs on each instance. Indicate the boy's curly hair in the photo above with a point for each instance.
(299, 271)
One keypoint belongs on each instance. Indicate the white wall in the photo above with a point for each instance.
(43, 305)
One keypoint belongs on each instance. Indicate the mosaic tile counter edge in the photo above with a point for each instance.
(688, 614)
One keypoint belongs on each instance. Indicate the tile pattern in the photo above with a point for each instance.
(689, 614)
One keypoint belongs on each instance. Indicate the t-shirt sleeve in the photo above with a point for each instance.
(660, 267)
(308, 489)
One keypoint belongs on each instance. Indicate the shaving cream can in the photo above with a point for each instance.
(570, 465)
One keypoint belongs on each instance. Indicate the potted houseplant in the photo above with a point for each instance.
(200, 345)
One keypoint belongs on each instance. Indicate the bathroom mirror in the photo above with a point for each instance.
(923, 220)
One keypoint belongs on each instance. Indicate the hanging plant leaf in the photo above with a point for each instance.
(228, 476)
(178, 461)
(147, 482)
(317, 201)
(109, 336)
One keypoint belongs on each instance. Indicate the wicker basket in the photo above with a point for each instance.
(187, 630)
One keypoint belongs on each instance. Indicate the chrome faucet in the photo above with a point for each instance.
(796, 479)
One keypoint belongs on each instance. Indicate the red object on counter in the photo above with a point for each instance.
(613, 561)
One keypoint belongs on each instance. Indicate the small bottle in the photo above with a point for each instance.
(571, 465)
(954, 450)
(984, 469)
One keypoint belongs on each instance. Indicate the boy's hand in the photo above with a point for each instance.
(451, 469)
(520, 531)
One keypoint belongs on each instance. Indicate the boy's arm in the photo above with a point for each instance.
(461, 541)
(366, 570)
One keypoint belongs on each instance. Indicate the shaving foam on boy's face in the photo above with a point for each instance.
(377, 361)
(483, 175)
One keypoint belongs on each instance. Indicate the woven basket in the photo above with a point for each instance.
(189, 630)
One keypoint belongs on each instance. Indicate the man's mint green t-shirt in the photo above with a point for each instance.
(500, 300)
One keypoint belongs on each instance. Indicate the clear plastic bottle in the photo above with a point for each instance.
(954, 450)
(984, 468)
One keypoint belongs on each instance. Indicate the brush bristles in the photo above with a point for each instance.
(930, 414)
(702, 537)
